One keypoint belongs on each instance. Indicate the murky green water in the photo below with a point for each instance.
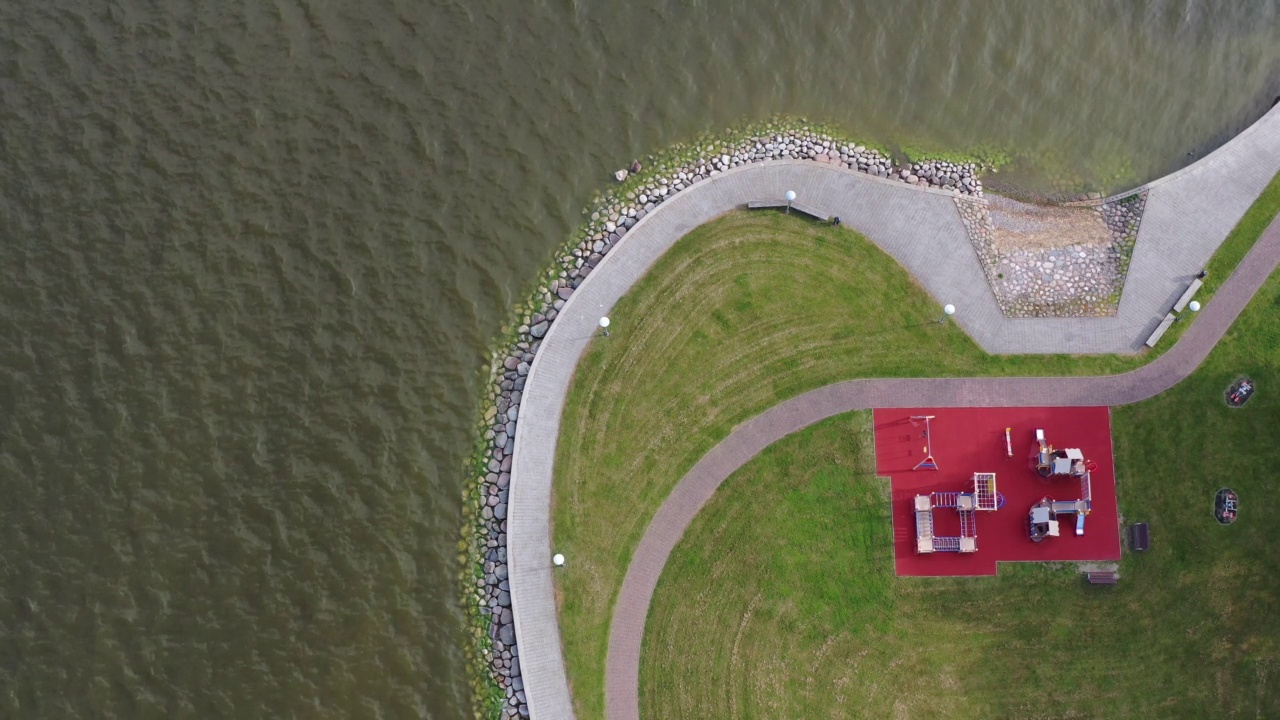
(253, 254)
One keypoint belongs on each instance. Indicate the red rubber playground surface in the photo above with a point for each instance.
(969, 440)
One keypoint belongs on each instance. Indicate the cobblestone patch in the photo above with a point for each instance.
(1053, 261)
(1122, 218)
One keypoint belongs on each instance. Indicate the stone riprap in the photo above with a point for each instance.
(1123, 216)
(1051, 261)
(486, 587)
(943, 175)
(802, 145)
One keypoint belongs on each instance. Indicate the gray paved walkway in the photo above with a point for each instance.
(921, 229)
(1188, 215)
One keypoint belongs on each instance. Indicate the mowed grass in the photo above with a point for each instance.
(781, 601)
(742, 313)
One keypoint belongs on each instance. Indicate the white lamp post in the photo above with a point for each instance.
(604, 325)
(1195, 306)
(948, 310)
(791, 197)
(557, 560)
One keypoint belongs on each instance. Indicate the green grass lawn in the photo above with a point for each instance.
(742, 313)
(781, 600)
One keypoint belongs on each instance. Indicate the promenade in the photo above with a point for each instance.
(1188, 215)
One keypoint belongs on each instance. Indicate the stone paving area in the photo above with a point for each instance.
(1052, 261)
(1123, 216)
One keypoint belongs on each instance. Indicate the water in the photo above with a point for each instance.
(253, 254)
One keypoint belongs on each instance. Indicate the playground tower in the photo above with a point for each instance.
(983, 498)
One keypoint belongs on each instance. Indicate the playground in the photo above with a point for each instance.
(777, 562)
(973, 487)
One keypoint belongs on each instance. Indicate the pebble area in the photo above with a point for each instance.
(1067, 279)
(487, 591)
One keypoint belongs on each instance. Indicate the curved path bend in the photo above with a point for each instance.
(626, 634)
(1187, 216)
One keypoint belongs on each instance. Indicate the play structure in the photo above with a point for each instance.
(938, 515)
(1226, 504)
(983, 498)
(927, 463)
(1050, 463)
(1240, 392)
(1043, 519)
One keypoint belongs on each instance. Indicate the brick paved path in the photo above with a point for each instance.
(748, 439)
(1188, 215)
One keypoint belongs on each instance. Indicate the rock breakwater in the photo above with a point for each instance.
(1054, 261)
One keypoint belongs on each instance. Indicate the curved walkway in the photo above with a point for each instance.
(922, 230)
(622, 668)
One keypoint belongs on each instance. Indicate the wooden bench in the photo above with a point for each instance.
(1186, 296)
(1164, 325)
(765, 204)
(1139, 538)
(1102, 578)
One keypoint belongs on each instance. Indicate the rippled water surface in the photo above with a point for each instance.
(253, 253)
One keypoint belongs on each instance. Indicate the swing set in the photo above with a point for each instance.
(927, 463)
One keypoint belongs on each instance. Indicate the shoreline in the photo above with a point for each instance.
(494, 655)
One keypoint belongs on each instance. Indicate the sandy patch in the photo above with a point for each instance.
(1022, 226)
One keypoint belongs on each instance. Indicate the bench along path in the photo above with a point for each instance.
(1188, 215)
(748, 439)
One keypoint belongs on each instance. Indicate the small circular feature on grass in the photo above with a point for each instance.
(1240, 392)
(1226, 505)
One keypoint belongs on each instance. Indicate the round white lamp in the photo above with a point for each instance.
(791, 197)
(947, 310)
(604, 325)
(557, 560)
(1194, 306)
